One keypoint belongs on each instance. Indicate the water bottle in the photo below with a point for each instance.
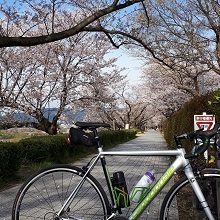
(120, 189)
(142, 187)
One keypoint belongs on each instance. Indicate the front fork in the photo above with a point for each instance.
(198, 191)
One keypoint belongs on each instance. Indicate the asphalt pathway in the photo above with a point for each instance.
(133, 167)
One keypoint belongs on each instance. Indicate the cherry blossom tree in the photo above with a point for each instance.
(165, 95)
(32, 16)
(181, 39)
(168, 30)
(170, 91)
(128, 106)
(183, 36)
(68, 73)
(193, 83)
(177, 33)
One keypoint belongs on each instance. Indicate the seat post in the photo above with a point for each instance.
(98, 143)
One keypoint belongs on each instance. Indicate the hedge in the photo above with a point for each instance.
(9, 159)
(51, 149)
(183, 120)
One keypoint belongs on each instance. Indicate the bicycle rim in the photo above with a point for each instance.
(181, 202)
(42, 196)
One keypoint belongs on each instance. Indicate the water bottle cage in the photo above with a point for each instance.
(122, 197)
(120, 190)
(143, 190)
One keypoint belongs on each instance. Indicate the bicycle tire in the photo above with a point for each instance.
(44, 193)
(181, 202)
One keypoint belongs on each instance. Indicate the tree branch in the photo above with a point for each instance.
(31, 41)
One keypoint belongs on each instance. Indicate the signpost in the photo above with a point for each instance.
(204, 121)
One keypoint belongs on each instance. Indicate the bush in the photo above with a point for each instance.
(51, 149)
(214, 104)
(10, 159)
(110, 138)
(183, 120)
(46, 148)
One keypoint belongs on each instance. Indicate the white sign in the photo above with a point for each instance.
(205, 122)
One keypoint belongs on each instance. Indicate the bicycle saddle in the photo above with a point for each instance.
(88, 125)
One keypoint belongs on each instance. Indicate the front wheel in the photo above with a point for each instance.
(43, 195)
(181, 202)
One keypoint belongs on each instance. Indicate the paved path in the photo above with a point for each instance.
(133, 167)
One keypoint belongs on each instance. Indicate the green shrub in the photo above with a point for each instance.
(214, 104)
(9, 159)
(50, 149)
(183, 120)
(110, 138)
(46, 148)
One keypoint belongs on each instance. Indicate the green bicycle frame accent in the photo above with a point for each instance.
(120, 194)
(152, 193)
(107, 175)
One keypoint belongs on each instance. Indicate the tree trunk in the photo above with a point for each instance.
(47, 126)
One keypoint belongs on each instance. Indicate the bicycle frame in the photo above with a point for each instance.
(179, 162)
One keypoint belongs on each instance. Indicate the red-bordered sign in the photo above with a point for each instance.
(204, 121)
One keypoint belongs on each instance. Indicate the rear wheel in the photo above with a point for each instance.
(181, 202)
(43, 195)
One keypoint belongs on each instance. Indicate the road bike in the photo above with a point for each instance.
(69, 192)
